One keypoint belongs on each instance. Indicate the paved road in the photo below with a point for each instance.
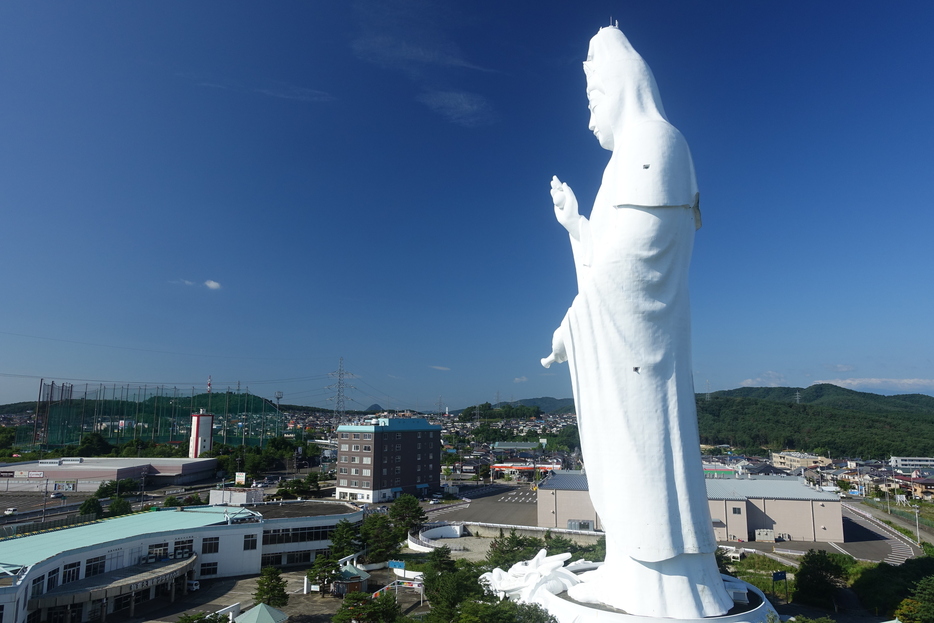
(509, 505)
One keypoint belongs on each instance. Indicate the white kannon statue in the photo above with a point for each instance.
(627, 340)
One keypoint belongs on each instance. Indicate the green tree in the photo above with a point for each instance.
(908, 611)
(7, 436)
(361, 608)
(171, 501)
(296, 487)
(313, 483)
(484, 472)
(193, 500)
(447, 591)
(440, 561)
(919, 608)
(503, 612)
(91, 506)
(111, 488)
(203, 617)
(119, 506)
(323, 572)
(270, 588)
(505, 551)
(818, 578)
(379, 537)
(407, 514)
(93, 444)
(345, 539)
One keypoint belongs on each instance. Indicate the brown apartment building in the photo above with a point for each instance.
(380, 459)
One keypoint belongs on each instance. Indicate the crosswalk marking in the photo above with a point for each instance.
(518, 497)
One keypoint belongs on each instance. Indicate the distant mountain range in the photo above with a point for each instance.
(832, 396)
(825, 395)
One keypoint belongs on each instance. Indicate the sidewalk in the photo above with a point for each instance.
(927, 534)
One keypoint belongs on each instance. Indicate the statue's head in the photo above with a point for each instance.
(620, 86)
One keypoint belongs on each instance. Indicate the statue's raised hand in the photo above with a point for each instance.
(566, 210)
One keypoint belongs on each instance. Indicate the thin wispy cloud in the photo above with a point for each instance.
(767, 379)
(183, 282)
(900, 385)
(300, 94)
(520, 379)
(212, 285)
(411, 37)
(460, 107)
(840, 367)
(397, 53)
(442, 368)
(278, 90)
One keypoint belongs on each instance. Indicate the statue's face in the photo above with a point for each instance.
(601, 117)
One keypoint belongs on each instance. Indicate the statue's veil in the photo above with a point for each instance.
(651, 164)
(622, 73)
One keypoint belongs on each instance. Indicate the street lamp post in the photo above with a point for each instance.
(917, 510)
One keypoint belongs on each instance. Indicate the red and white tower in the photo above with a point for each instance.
(202, 434)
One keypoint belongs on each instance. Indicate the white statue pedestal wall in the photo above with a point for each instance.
(567, 611)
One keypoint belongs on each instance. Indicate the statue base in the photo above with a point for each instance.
(758, 610)
(545, 580)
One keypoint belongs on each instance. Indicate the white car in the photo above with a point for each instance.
(56, 494)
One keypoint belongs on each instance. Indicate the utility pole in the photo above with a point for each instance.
(45, 498)
(278, 412)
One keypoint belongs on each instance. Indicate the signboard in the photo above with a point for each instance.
(397, 564)
(778, 575)
(240, 478)
(6, 474)
(64, 485)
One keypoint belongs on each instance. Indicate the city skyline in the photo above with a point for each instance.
(252, 193)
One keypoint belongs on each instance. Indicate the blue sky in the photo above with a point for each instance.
(253, 191)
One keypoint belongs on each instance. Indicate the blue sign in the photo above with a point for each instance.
(397, 564)
(778, 575)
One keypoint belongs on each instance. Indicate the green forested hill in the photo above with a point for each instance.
(15, 408)
(828, 419)
(550, 405)
(834, 396)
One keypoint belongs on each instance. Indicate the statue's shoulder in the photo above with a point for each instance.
(651, 166)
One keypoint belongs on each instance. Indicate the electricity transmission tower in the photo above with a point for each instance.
(339, 388)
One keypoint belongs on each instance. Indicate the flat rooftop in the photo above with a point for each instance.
(389, 424)
(279, 510)
(26, 550)
(769, 487)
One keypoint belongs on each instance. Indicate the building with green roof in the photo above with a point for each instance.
(84, 572)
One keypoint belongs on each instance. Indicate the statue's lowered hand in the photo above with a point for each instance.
(559, 353)
(566, 210)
